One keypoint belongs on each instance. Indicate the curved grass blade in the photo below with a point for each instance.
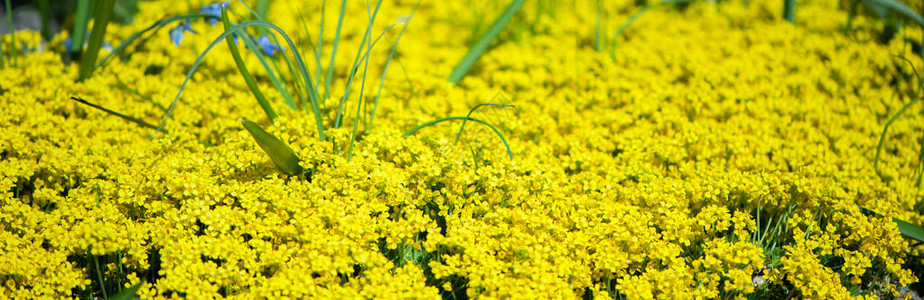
(101, 17)
(155, 26)
(437, 121)
(475, 51)
(283, 156)
(127, 293)
(789, 11)
(469, 115)
(261, 99)
(232, 29)
(886, 130)
(898, 6)
(111, 112)
(270, 71)
(391, 55)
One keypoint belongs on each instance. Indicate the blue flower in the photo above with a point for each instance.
(215, 9)
(176, 33)
(268, 47)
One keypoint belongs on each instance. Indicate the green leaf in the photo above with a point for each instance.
(283, 156)
(906, 229)
(100, 20)
(910, 230)
(437, 121)
(270, 113)
(898, 6)
(475, 51)
(789, 11)
(127, 293)
(80, 27)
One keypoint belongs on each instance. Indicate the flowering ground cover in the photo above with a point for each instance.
(706, 150)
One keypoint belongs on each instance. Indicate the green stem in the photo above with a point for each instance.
(333, 53)
(9, 20)
(437, 121)
(261, 99)
(80, 28)
(101, 20)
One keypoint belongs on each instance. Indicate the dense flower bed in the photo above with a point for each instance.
(721, 152)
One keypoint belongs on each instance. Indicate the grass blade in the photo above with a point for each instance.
(897, 6)
(475, 51)
(333, 53)
(359, 60)
(885, 130)
(437, 121)
(910, 230)
(234, 28)
(635, 17)
(469, 115)
(108, 111)
(101, 16)
(789, 11)
(261, 99)
(391, 55)
(281, 154)
(9, 20)
(270, 71)
(127, 293)
(80, 28)
(597, 40)
(157, 25)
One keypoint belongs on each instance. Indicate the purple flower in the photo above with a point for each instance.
(176, 33)
(268, 47)
(214, 9)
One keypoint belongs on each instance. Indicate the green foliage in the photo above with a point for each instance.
(101, 16)
(789, 11)
(281, 154)
(270, 113)
(479, 47)
(466, 118)
(9, 20)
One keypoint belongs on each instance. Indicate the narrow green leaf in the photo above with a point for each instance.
(391, 55)
(469, 115)
(475, 51)
(789, 11)
(111, 112)
(271, 71)
(333, 53)
(234, 28)
(437, 121)
(127, 293)
(885, 130)
(243, 69)
(897, 6)
(157, 25)
(635, 17)
(101, 16)
(80, 27)
(597, 40)
(283, 156)
(906, 229)
(910, 230)
(9, 20)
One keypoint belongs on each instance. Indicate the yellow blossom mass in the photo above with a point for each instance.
(710, 150)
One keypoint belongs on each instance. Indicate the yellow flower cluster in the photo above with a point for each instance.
(720, 152)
